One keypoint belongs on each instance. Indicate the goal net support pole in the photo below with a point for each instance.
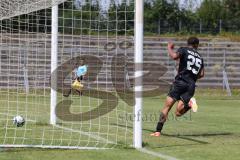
(225, 77)
(54, 53)
(138, 60)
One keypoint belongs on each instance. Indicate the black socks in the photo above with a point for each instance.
(161, 122)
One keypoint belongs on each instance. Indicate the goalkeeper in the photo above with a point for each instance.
(79, 73)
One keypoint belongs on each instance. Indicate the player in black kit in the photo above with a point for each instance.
(191, 68)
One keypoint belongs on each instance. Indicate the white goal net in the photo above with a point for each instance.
(98, 34)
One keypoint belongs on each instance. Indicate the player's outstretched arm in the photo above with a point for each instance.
(171, 52)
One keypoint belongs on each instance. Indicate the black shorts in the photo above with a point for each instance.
(182, 90)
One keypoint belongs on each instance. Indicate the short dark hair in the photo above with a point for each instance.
(193, 41)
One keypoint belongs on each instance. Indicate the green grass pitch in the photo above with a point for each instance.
(212, 133)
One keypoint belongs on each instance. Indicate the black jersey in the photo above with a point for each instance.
(190, 64)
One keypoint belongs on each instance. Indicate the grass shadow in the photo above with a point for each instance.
(188, 137)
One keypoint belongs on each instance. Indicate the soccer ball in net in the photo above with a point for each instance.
(19, 121)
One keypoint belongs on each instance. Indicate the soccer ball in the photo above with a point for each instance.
(19, 121)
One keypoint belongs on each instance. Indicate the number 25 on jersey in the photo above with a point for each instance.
(194, 64)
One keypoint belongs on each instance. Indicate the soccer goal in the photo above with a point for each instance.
(42, 44)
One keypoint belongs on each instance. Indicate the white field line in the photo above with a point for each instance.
(143, 150)
(157, 154)
(86, 134)
(96, 137)
(48, 146)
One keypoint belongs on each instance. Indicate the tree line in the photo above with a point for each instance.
(213, 16)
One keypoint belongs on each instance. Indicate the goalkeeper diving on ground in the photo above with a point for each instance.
(191, 68)
(79, 73)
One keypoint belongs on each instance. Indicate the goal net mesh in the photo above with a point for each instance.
(96, 33)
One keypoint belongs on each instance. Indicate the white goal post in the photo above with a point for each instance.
(54, 64)
(138, 60)
(56, 37)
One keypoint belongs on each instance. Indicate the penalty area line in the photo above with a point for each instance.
(157, 154)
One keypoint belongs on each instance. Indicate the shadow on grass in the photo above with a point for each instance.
(188, 137)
